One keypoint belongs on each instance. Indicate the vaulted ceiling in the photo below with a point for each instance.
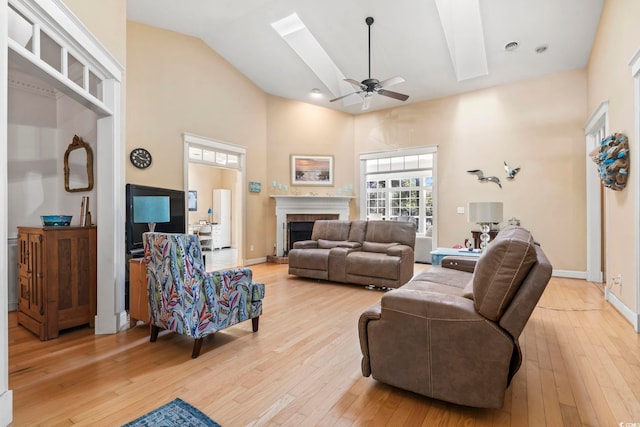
(434, 45)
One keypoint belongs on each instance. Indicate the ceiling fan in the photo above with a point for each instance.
(370, 86)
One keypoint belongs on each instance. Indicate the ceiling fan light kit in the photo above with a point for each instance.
(369, 87)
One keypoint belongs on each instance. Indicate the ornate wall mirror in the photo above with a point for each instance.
(78, 166)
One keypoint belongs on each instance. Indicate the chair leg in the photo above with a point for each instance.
(154, 333)
(197, 346)
(254, 323)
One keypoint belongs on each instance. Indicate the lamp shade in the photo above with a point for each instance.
(151, 209)
(485, 212)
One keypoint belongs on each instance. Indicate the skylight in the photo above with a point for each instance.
(462, 28)
(300, 39)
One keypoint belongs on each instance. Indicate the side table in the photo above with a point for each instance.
(476, 237)
(439, 253)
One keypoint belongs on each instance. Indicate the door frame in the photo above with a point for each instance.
(595, 129)
(238, 217)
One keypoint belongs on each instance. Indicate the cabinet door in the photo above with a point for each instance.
(30, 275)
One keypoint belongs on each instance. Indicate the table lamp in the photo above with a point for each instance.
(151, 209)
(485, 214)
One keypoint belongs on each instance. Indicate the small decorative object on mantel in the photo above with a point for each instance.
(612, 158)
(483, 178)
(514, 221)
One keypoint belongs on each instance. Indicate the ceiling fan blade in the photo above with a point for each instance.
(344, 96)
(392, 81)
(355, 83)
(394, 95)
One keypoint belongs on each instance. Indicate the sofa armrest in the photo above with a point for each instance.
(350, 245)
(399, 250)
(305, 244)
(460, 263)
(429, 305)
(372, 313)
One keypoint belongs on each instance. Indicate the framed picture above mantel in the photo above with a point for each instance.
(311, 170)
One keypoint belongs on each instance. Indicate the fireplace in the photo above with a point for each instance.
(299, 231)
(290, 209)
(300, 227)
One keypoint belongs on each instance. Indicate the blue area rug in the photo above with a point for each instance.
(175, 413)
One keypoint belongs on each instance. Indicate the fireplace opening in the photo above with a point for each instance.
(300, 227)
(299, 231)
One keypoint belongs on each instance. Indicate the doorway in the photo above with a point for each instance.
(214, 173)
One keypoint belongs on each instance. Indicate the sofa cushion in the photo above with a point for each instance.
(391, 232)
(373, 264)
(357, 231)
(501, 269)
(376, 247)
(331, 230)
(310, 259)
(468, 290)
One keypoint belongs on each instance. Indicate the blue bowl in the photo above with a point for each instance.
(56, 220)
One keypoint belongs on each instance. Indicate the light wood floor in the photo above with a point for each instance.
(581, 367)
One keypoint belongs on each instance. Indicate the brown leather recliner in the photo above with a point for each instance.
(452, 334)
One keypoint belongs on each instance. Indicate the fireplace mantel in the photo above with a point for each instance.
(306, 205)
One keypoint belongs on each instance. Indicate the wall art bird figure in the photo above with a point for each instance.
(511, 173)
(483, 178)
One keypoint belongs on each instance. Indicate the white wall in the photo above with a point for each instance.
(41, 124)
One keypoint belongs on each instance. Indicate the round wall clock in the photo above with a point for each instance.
(140, 157)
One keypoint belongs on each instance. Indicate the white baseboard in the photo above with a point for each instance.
(123, 320)
(6, 408)
(111, 324)
(255, 261)
(627, 313)
(570, 274)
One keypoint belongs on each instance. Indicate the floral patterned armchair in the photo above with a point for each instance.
(186, 299)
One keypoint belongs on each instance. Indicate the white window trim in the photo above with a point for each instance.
(430, 149)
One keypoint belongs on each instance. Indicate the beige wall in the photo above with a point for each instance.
(299, 128)
(609, 78)
(535, 124)
(107, 22)
(180, 85)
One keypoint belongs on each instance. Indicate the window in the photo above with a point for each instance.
(216, 157)
(399, 187)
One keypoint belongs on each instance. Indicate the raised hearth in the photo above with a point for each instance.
(306, 208)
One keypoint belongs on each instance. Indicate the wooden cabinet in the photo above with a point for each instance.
(56, 278)
(138, 294)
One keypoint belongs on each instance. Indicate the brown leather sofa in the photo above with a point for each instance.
(378, 253)
(452, 332)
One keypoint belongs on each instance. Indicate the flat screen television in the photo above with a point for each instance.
(134, 231)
